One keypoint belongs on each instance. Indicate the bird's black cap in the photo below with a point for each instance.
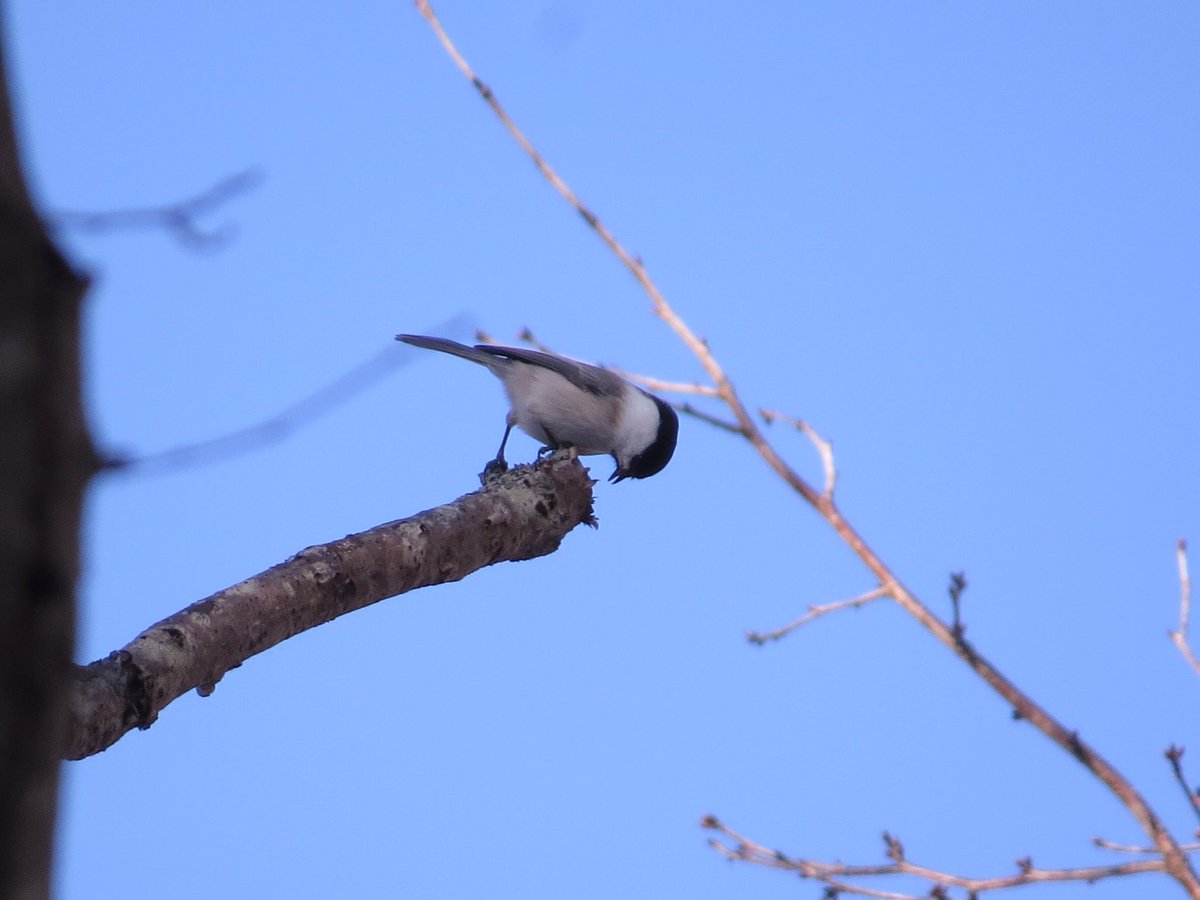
(654, 458)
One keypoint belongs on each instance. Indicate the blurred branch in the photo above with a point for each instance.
(1173, 859)
(280, 426)
(178, 219)
(522, 514)
(269, 431)
(836, 875)
(1180, 634)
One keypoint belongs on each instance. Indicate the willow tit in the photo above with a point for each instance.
(564, 403)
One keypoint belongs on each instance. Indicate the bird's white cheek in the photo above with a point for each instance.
(638, 426)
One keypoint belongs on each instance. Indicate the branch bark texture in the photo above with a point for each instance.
(521, 515)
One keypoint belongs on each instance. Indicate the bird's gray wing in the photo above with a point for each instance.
(592, 379)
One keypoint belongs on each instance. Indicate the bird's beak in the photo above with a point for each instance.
(619, 475)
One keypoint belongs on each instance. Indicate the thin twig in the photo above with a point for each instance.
(1173, 861)
(667, 387)
(1174, 755)
(1180, 635)
(958, 584)
(824, 448)
(179, 219)
(814, 612)
(695, 412)
(1128, 848)
(835, 873)
(654, 384)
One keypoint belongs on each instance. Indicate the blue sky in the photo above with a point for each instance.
(959, 239)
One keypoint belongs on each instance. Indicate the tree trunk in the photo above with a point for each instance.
(46, 459)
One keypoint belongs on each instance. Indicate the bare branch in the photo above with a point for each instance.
(824, 448)
(654, 384)
(696, 413)
(958, 584)
(179, 219)
(1174, 861)
(522, 514)
(1127, 848)
(814, 612)
(1180, 635)
(1174, 756)
(262, 434)
(670, 387)
(836, 874)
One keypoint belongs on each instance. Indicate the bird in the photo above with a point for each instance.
(569, 404)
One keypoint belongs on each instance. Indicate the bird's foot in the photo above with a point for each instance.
(548, 454)
(493, 470)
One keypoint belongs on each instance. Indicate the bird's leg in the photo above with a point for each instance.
(551, 447)
(497, 466)
(503, 443)
(557, 449)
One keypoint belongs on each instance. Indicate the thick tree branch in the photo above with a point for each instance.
(46, 459)
(523, 514)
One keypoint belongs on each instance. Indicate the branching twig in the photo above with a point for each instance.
(179, 219)
(1174, 756)
(958, 584)
(823, 446)
(1173, 859)
(1180, 634)
(761, 637)
(1127, 848)
(836, 874)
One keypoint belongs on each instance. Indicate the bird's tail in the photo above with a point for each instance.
(452, 347)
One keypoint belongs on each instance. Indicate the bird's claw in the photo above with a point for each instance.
(492, 471)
